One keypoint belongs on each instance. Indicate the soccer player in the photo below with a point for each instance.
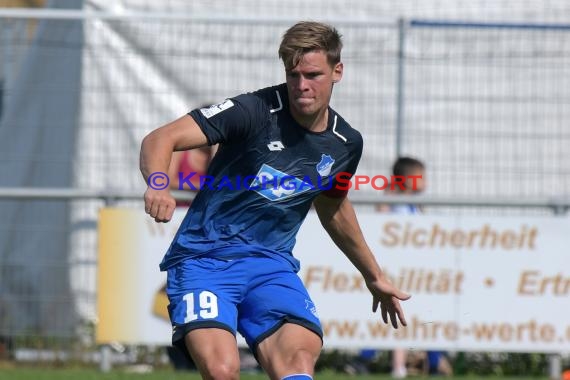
(414, 172)
(407, 167)
(230, 266)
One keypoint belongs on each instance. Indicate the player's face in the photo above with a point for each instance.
(310, 84)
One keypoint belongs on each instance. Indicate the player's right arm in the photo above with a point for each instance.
(232, 120)
(155, 156)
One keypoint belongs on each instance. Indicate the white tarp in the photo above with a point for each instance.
(140, 74)
(87, 93)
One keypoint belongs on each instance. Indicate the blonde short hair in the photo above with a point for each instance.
(308, 36)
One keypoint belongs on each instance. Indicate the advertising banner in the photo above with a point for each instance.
(477, 283)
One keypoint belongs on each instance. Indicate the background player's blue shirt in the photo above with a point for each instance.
(259, 139)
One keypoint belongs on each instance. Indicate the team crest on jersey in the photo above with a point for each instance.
(324, 167)
(276, 185)
(309, 305)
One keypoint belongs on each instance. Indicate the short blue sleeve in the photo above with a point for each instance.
(235, 119)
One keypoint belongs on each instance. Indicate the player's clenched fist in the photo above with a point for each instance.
(159, 204)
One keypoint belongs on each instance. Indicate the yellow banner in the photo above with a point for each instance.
(477, 283)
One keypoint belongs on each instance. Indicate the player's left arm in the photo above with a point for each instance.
(339, 220)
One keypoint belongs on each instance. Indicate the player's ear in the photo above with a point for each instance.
(337, 72)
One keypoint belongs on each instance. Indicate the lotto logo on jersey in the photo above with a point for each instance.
(276, 185)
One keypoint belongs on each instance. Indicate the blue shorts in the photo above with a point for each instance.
(252, 295)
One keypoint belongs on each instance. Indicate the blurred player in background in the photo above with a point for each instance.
(415, 183)
(406, 166)
(414, 170)
(230, 266)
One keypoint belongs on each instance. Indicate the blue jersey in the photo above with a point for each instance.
(263, 178)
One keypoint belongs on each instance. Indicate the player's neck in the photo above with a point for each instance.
(317, 122)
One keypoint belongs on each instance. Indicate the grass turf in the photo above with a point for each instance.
(119, 374)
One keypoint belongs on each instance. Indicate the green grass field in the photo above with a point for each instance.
(92, 374)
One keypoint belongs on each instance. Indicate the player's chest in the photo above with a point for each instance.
(289, 149)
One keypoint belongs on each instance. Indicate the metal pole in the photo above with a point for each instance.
(400, 88)
(105, 363)
(209, 18)
(561, 204)
(555, 366)
(555, 360)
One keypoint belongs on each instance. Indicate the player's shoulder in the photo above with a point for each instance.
(272, 97)
(266, 100)
(343, 130)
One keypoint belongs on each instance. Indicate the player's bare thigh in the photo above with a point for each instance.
(214, 352)
(292, 349)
